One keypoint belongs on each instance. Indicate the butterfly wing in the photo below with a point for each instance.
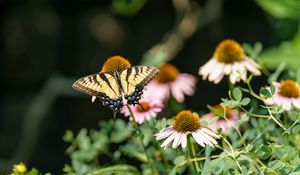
(102, 85)
(134, 79)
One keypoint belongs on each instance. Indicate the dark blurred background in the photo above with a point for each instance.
(46, 45)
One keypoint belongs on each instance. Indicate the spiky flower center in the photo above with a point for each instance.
(289, 88)
(115, 63)
(186, 121)
(143, 107)
(225, 110)
(167, 73)
(229, 51)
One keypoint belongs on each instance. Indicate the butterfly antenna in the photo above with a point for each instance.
(141, 106)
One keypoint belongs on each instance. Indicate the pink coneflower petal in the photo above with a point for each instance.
(210, 132)
(226, 125)
(185, 123)
(286, 105)
(205, 70)
(228, 59)
(208, 137)
(177, 141)
(204, 139)
(183, 140)
(216, 72)
(296, 102)
(199, 139)
(164, 133)
(252, 66)
(170, 139)
(151, 106)
(227, 69)
(287, 95)
(171, 82)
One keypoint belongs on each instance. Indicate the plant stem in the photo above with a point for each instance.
(192, 154)
(230, 85)
(253, 115)
(167, 165)
(141, 140)
(251, 92)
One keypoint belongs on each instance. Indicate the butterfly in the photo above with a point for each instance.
(117, 88)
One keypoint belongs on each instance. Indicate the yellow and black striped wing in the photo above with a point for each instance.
(102, 85)
(134, 79)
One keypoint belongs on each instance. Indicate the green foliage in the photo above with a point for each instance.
(288, 52)
(282, 8)
(127, 7)
(116, 170)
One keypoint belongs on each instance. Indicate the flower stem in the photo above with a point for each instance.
(167, 165)
(275, 120)
(192, 154)
(251, 92)
(141, 140)
(230, 85)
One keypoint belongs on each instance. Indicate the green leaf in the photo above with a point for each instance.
(83, 140)
(115, 169)
(237, 94)
(295, 173)
(217, 112)
(263, 152)
(230, 103)
(254, 51)
(275, 164)
(245, 101)
(281, 8)
(244, 170)
(121, 131)
(180, 160)
(265, 92)
(278, 71)
(33, 171)
(272, 89)
(294, 115)
(288, 52)
(69, 136)
(127, 7)
(296, 129)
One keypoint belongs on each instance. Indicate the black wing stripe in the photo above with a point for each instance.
(128, 73)
(137, 70)
(96, 81)
(85, 90)
(104, 78)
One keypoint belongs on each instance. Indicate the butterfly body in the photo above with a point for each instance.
(117, 88)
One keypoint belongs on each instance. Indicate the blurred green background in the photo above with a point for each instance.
(47, 44)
